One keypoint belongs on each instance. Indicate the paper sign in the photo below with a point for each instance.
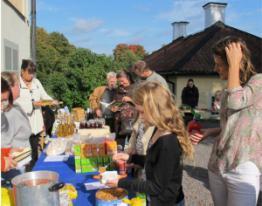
(56, 158)
(94, 186)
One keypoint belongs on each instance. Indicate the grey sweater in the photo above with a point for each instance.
(15, 128)
(155, 77)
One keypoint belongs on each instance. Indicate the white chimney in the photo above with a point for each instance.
(214, 11)
(179, 29)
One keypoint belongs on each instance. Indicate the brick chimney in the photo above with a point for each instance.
(179, 29)
(214, 11)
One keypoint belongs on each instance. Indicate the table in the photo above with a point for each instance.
(67, 174)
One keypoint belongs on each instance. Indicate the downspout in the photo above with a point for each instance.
(33, 30)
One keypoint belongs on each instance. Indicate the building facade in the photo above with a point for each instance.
(15, 33)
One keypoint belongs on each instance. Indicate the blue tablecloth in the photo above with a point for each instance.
(67, 174)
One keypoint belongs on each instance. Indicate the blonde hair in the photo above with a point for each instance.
(110, 75)
(10, 77)
(246, 67)
(159, 107)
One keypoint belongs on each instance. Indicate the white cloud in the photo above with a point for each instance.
(115, 32)
(120, 33)
(183, 10)
(86, 25)
(136, 40)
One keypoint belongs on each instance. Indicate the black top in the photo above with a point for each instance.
(190, 96)
(163, 166)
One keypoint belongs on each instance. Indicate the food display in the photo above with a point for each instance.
(92, 124)
(66, 126)
(79, 114)
(70, 190)
(56, 147)
(65, 129)
(6, 197)
(46, 102)
(111, 194)
(96, 132)
(121, 164)
(89, 157)
(108, 175)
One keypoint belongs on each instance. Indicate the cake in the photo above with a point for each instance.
(97, 132)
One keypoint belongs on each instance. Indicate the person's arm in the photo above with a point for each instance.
(197, 96)
(94, 99)
(234, 57)
(210, 132)
(137, 159)
(43, 94)
(168, 164)
(183, 96)
(4, 153)
(242, 97)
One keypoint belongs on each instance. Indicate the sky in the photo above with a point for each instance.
(100, 25)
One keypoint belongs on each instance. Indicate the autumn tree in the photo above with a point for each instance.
(126, 55)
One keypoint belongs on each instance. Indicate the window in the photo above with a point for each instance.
(10, 55)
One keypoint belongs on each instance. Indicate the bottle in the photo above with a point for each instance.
(121, 164)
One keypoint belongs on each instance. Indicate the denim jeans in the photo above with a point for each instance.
(181, 203)
(239, 187)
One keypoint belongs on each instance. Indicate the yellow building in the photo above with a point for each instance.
(15, 33)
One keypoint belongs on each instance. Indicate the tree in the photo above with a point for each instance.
(127, 55)
(70, 74)
(138, 50)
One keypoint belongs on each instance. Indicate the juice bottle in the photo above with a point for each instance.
(121, 164)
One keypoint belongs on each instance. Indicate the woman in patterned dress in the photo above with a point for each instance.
(236, 160)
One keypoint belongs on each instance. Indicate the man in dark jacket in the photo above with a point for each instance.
(190, 94)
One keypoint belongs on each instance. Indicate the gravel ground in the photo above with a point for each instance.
(195, 179)
(195, 175)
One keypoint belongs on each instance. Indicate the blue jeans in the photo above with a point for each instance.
(181, 203)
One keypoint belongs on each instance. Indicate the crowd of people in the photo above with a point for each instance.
(151, 131)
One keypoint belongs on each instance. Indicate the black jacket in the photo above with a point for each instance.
(163, 166)
(190, 96)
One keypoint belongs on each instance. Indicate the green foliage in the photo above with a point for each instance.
(71, 74)
(126, 55)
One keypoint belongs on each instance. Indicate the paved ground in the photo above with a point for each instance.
(195, 179)
(195, 176)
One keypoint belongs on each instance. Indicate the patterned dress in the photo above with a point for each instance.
(240, 139)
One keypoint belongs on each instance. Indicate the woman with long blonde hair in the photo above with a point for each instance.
(236, 160)
(166, 148)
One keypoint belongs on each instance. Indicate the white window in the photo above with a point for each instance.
(10, 56)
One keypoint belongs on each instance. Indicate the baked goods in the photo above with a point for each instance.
(111, 194)
(102, 132)
(79, 114)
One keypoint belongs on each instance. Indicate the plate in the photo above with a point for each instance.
(98, 177)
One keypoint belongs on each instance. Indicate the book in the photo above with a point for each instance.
(111, 104)
(19, 156)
